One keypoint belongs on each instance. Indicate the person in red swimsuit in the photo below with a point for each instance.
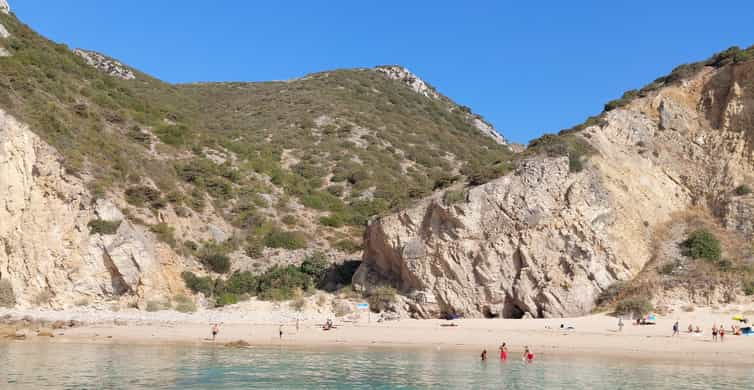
(503, 352)
(528, 355)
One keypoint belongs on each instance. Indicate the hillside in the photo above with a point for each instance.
(645, 207)
(210, 178)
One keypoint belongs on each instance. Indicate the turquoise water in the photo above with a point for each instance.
(87, 366)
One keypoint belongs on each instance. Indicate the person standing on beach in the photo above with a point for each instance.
(620, 324)
(675, 329)
(215, 331)
(714, 333)
(280, 331)
(722, 333)
(503, 352)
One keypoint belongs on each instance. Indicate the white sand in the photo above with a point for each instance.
(594, 335)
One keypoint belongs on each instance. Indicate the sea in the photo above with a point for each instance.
(26, 365)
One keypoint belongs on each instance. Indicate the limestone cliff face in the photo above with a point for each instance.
(534, 242)
(46, 249)
(544, 241)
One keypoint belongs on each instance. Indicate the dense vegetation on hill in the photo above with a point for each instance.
(334, 147)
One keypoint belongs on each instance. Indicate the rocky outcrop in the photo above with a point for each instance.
(416, 84)
(532, 243)
(106, 65)
(411, 80)
(545, 242)
(4, 6)
(47, 248)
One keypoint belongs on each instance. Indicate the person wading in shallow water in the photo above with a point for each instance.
(503, 352)
(484, 355)
(215, 331)
(528, 355)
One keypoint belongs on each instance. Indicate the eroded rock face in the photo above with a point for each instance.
(534, 242)
(4, 6)
(545, 242)
(411, 80)
(106, 65)
(45, 242)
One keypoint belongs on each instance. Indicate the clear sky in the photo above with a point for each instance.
(529, 67)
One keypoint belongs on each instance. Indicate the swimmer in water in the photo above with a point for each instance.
(503, 352)
(528, 355)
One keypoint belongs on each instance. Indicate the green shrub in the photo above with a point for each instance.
(281, 283)
(381, 298)
(198, 284)
(155, 305)
(289, 220)
(226, 299)
(667, 268)
(241, 283)
(702, 244)
(348, 246)
(100, 226)
(333, 220)
(175, 135)
(627, 97)
(634, 306)
(724, 265)
(7, 297)
(254, 248)
(136, 134)
(742, 190)
(335, 190)
(453, 197)
(164, 233)
(217, 262)
(284, 239)
(575, 164)
(184, 304)
(324, 201)
(144, 195)
(609, 294)
(315, 265)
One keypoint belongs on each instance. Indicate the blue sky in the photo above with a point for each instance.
(528, 68)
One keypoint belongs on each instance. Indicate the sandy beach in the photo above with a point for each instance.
(592, 336)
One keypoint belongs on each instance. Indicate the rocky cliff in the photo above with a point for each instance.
(49, 254)
(546, 241)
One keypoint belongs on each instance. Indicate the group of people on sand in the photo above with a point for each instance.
(527, 356)
(718, 332)
(693, 329)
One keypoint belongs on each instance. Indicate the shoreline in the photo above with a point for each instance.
(594, 336)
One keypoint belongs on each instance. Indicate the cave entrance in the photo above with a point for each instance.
(511, 310)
